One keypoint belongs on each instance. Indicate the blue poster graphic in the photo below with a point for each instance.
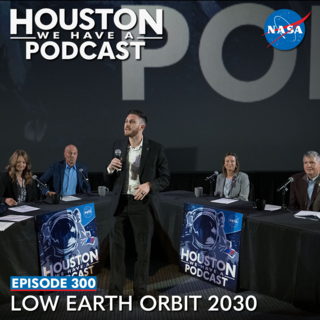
(68, 242)
(210, 244)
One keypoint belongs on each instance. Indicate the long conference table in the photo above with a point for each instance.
(279, 254)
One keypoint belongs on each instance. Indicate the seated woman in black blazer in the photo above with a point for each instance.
(16, 184)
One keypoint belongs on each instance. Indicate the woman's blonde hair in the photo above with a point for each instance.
(11, 167)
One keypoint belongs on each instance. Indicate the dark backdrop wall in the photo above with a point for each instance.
(209, 86)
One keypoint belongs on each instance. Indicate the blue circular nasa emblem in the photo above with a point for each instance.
(284, 29)
(87, 212)
(233, 221)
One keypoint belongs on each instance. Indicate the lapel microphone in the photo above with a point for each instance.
(233, 183)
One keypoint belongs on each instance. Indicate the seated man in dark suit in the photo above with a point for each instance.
(66, 175)
(305, 189)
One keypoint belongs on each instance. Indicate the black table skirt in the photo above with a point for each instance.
(19, 245)
(279, 254)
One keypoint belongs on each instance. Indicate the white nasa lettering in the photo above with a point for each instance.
(290, 29)
(271, 29)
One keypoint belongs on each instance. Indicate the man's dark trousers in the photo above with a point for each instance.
(138, 213)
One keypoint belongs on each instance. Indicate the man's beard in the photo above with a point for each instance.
(131, 133)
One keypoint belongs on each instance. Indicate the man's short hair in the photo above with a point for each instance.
(140, 114)
(310, 154)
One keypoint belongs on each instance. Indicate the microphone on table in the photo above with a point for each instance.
(39, 182)
(211, 179)
(85, 179)
(252, 196)
(83, 175)
(283, 185)
(212, 176)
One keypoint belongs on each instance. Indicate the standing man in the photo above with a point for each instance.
(66, 175)
(137, 177)
(305, 189)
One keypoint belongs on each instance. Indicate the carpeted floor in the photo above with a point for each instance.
(166, 284)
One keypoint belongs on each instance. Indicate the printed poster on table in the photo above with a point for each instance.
(210, 244)
(68, 242)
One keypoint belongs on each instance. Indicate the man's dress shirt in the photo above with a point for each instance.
(69, 180)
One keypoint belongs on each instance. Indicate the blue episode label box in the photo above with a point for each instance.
(53, 283)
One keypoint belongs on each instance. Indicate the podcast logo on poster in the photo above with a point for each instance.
(284, 29)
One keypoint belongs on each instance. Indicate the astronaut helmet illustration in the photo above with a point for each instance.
(205, 228)
(61, 232)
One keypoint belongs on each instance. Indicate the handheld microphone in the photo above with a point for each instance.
(283, 185)
(39, 182)
(117, 154)
(83, 175)
(212, 176)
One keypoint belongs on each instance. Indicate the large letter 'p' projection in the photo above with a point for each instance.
(133, 80)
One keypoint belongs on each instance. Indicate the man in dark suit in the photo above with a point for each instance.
(137, 178)
(65, 175)
(305, 189)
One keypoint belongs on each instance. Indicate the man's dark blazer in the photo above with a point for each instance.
(299, 193)
(54, 176)
(9, 189)
(153, 168)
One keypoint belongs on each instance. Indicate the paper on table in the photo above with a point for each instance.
(271, 207)
(24, 209)
(5, 225)
(12, 217)
(308, 215)
(70, 198)
(224, 200)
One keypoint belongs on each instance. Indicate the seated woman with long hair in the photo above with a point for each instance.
(16, 184)
(232, 183)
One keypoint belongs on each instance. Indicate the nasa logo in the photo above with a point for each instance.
(233, 221)
(87, 212)
(284, 29)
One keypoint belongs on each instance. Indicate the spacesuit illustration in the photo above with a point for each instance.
(63, 236)
(204, 233)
